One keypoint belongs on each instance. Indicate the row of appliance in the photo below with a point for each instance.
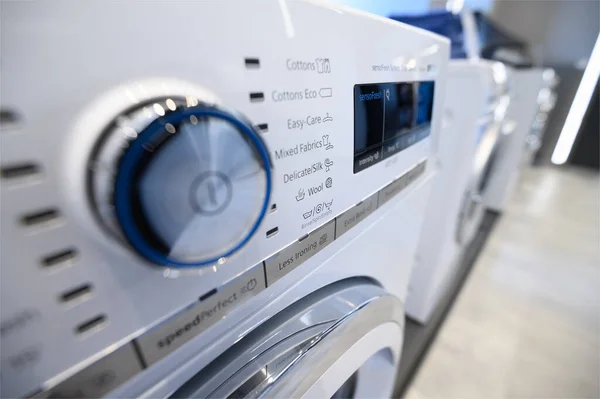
(200, 204)
(493, 124)
(494, 120)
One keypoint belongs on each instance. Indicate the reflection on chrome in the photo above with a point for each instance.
(191, 101)
(171, 104)
(159, 109)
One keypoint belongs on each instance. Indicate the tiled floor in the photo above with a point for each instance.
(527, 323)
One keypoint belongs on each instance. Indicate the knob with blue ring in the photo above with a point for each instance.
(193, 187)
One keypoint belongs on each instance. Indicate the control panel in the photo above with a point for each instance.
(157, 180)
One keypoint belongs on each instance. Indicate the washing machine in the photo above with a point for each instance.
(517, 146)
(210, 199)
(546, 100)
(474, 110)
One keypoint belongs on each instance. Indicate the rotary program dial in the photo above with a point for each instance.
(184, 183)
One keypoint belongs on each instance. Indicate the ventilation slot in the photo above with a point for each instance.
(208, 294)
(8, 117)
(61, 258)
(95, 323)
(273, 208)
(40, 218)
(78, 294)
(20, 171)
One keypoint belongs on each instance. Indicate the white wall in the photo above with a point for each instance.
(560, 32)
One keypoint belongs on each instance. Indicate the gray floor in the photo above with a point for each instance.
(527, 323)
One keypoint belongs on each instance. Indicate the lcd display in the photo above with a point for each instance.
(389, 117)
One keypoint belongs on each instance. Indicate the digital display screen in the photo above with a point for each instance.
(389, 117)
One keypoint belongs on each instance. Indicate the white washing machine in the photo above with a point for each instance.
(526, 84)
(210, 198)
(475, 107)
(546, 100)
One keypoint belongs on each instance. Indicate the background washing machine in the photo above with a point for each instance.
(546, 101)
(476, 103)
(526, 84)
(195, 202)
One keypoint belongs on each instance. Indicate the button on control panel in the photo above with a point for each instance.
(398, 185)
(354, 215)
(297, 253)
(172, 334)
(99, 378)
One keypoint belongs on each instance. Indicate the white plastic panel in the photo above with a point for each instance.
(391, 233)
(526, 85)
(80, 53)
(468, 89)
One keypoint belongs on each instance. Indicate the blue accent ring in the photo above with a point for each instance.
(129, 161)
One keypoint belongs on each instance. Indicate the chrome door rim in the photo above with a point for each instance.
(356, 302)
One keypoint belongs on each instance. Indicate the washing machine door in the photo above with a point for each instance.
(473, 208)
(342, 341)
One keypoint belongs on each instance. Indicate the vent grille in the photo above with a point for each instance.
(60, 258)
(44, 217)
(9, 118)
(77, 294)
(94, 324)
(20, 171)
(17, 174)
